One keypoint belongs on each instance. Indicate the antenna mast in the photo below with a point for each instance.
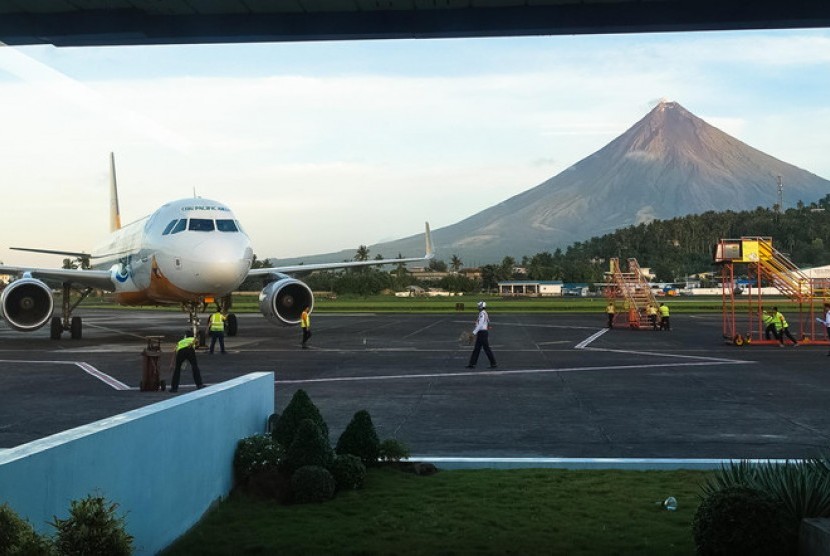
(780, 195)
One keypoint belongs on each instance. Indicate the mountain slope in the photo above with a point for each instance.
(671, 163)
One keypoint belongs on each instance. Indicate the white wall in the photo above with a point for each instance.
(163, 464)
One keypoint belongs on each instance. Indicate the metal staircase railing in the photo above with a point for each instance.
(782, 272)
(635, 289)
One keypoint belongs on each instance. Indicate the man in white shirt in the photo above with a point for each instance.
(481, 332)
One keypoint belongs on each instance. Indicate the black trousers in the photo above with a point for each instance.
(217, 335)
(482, 341)
(189, 355)
(771, 329)
(306, 335)
(786, 332)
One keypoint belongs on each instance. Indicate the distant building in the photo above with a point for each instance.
(531, 288)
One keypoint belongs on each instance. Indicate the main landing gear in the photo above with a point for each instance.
(193, 308)
(66, 321)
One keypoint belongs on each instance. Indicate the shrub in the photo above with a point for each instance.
(92, 528)
(360, 439)
(309, 448)
(312, 483)
(739, 521)
(298, 409)
(18, 538)
(392, 450)
(349, 472)
(256, 453)
(801, 487)
(270, 483)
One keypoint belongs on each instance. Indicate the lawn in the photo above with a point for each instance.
(530, 511)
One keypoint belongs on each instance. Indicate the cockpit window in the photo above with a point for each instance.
(180, 227)
(226, 226)
(201, 225)
(169, 228)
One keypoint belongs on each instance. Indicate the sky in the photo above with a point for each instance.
(324, 146)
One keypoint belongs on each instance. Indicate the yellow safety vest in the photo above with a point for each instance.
(185, 343)
(610, 309)
(780, 321)
(217, 322)
(305, 320)
(664, 311)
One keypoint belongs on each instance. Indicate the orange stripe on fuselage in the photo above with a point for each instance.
(161, 292)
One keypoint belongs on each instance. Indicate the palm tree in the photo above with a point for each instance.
(455, 263)
(362, 253)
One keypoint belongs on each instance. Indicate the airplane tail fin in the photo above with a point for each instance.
(428, 238)
(115, 213)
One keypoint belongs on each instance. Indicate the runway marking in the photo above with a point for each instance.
(86, 367)
(497, 324)
(488, 372)
(584, 343)
(422, 329)
(103, 377)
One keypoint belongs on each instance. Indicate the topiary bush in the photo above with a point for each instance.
(18, 537)
(92, 528)
(393, 451)
(360, 439)
(349, 472)
(738, 521)
(312, 483)
(256, 453)
(298, 409)
(308, 448)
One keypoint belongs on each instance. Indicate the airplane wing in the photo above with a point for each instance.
(429, 254)
(98, 279)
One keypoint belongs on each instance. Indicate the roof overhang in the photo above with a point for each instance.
(142, 22)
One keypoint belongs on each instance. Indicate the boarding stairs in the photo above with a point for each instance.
(635, 289)
(782, 272)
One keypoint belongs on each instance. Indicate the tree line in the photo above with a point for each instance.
(673, 249)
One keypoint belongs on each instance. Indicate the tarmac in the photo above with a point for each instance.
(565, 386)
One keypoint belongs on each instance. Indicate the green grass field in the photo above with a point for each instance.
(249, 303)
(541, 511)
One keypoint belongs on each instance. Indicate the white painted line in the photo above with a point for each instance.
(103, 377)
(659, 354)
(585, 463)
(563, 327)
(584, 343)
(422, 329)
(489, 373)
(86, 367)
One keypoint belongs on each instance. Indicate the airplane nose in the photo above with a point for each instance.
(220, 265)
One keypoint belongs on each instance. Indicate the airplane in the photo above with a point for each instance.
(190, 252)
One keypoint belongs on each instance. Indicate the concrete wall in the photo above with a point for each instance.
(163, 464)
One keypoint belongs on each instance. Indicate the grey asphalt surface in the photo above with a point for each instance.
(565, 386)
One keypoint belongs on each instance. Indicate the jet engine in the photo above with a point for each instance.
(26, 304)
(283, 300)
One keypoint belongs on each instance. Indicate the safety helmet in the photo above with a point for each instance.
(481, 305)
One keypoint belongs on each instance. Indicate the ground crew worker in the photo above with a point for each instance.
(482, 334)
(305, 324)
(664, 317)
(651, 311)
(611, 310)
(769, 324)
(216, 329)
(186, 351)
(783, 328)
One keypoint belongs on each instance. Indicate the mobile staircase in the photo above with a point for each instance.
(633, 287)
(767, 268)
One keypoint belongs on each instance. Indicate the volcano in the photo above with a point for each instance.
(671, 163)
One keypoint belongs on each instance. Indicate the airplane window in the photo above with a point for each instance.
(239, 226)
(200, 225)
(169, 228)
(226, 226)
(180, 227)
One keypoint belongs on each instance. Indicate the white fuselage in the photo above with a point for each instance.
(185, 251)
